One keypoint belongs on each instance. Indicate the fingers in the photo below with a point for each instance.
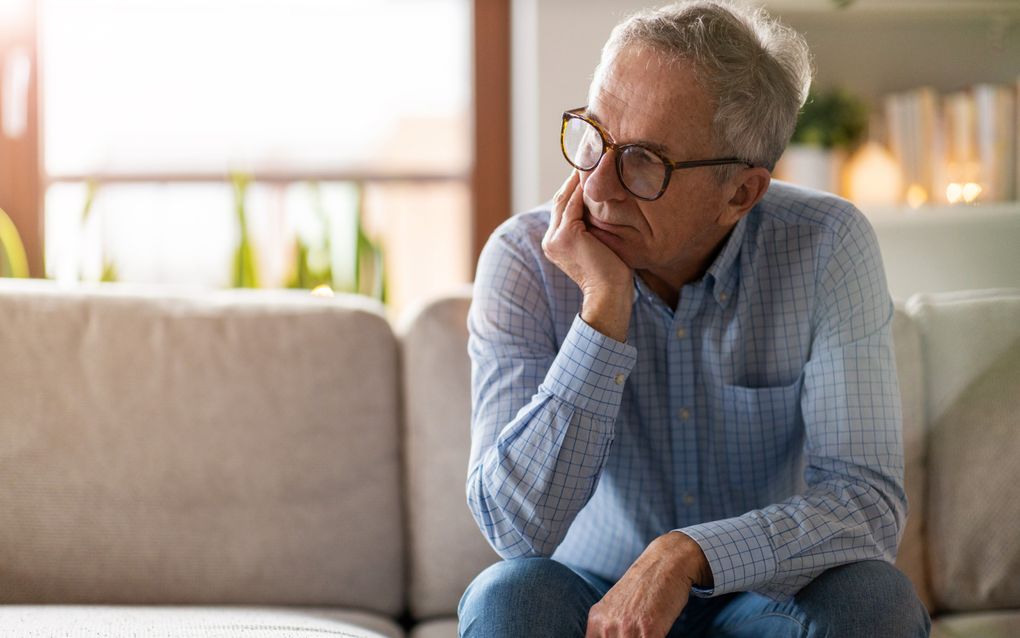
(562, 198)
(574, 209)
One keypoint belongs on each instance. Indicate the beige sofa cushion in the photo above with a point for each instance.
(446, 549)
(39, 621)
(910, 558)
(972, 369)
(1002, 624)
(436, 629)
(226, 448)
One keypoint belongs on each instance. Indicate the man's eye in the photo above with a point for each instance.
(643, 156)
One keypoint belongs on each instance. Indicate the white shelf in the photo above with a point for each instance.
(947, 248)
(943, 214)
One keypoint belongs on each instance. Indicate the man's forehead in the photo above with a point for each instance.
(640, 93)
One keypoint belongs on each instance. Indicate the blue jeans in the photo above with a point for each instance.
(535, 597)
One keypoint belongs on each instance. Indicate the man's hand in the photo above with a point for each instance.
(606, 282)
(650, 596)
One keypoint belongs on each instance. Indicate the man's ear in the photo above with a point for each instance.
(749, 187)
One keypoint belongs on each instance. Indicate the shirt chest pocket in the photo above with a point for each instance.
(758, 437)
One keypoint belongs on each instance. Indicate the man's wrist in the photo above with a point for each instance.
(693, 560)
(609, 313)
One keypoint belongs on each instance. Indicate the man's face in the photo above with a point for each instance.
(640, 98)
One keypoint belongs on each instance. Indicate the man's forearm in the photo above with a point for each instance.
(523, 490)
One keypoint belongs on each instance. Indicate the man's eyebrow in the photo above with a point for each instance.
(658, 147)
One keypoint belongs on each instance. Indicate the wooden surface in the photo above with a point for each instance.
(491, 175)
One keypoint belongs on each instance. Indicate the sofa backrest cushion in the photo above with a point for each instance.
(446, 549)
(226, 447)
(909, 368)
(972, 378)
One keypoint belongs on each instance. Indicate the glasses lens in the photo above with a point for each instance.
(642, 172)
(582, 144)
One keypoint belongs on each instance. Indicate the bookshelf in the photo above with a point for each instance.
(876, 48)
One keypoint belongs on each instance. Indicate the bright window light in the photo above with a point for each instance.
(148, 106)
(198, 86)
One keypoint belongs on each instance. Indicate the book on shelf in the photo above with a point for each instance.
(994, 107)
(911, 121)
(956, 141)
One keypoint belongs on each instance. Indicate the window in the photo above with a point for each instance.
(153, 111)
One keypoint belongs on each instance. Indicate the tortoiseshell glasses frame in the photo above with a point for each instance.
(622, 150)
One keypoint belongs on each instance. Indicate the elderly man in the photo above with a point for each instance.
(685, 409)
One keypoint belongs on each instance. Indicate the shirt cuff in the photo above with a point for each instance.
(739, 553)
(590, 370)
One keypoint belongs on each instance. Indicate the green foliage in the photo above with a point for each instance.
(835, 119)
(315, 258)
(13, 261)
(314, 265)
(109, 272)
(244, 275)
(369, 274)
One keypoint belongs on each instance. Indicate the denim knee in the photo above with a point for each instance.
(869, 598)
(526, 597)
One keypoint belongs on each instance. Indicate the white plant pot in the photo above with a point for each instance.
(811, 166)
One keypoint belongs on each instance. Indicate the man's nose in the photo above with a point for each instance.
(603, 183)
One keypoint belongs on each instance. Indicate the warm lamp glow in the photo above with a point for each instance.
(872, 176)
(322, 291)
(916, 196)
(971, 192)
(954, 193)
(967, 192)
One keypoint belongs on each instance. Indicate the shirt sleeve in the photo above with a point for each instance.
(542, 415)
(854, 506)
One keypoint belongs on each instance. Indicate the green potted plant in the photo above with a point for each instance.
(830, 126)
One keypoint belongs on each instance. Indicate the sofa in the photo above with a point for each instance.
(252, 463)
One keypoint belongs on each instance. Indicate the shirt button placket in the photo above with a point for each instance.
(685, 435)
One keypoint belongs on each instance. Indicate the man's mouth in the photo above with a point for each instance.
(591, 222)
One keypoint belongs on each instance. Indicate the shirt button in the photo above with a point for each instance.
(680, 333)
(620, 378)
(688, 499)
(723, 296)
(685, 414)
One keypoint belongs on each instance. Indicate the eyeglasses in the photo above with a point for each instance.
(642, 171)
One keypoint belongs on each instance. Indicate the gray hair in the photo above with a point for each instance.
(756, 69)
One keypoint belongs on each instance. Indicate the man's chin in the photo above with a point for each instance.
(612, 241)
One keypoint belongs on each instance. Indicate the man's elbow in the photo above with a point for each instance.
(510, 541)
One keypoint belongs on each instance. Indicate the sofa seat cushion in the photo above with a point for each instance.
(67, 621)
(442, 628)
(993, 624)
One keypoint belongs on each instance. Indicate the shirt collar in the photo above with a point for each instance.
(725, 270)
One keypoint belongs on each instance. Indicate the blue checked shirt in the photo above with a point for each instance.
(761, 417)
